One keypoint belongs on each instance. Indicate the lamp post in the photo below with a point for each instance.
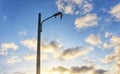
(39, 37)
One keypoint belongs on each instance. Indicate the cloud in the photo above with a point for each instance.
(115, 55)
(108, 34)
(3, 52)
(22, 33)
(14, 59)
(74, 6)
(77, 70)
(72, 53)
(109, 58)
(72, 70)
(87, 7)
(81, 69)
(50, 46)
(107, 45)
(60, 68)
(115, 40)
(9, 45)
(29, 43)
(94, 39)
(117, 68)
(99, 71)
(115, 44)
(115, 12)
(4, 18)
(86, 21)
(68, 9)
(17, 73)
(77, 7)
(6, 46)
(32, 57)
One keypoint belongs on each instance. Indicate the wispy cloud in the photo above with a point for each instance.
(94, 39)
(107, 45)
(14, 59)
(108, 34)
(29, 43)
(5, 18)
(24, 32)
(86, 21)
(32, 57)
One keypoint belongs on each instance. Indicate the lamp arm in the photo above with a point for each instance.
(47, 19)
(55, 15)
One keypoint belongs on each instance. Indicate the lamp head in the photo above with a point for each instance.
(58, 14)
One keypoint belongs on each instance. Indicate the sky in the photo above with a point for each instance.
(85, 41)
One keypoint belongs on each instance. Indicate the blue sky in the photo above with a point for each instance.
(85, 41)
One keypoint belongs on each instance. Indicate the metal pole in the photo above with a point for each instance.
(39, 38)
(39, 43)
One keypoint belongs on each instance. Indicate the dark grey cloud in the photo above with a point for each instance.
(81, 69)
(99, 71)
(78, 70)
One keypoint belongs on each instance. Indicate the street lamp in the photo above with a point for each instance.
(39, 37)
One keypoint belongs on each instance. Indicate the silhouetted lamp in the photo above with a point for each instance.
(39, 37)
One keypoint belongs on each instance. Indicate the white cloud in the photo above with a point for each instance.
(88, 20)
(115, 44)
(9, 45)
(32, 57)
(108, 34)
(22, 33)
(68, 9)
(87, 7)
(107, 45)
(14, 59)
(72, 6)
(6, 46)
(30, 43)
(109, 58)
(94, 39)
(115, 40)
(115, 11)
(115, 55)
